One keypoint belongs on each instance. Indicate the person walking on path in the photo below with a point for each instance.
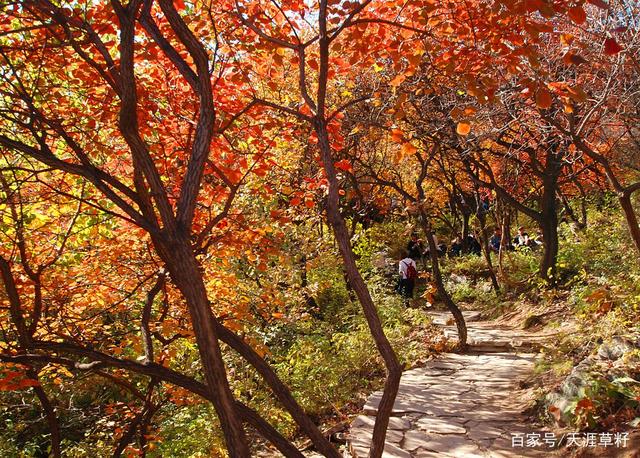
(408, 273)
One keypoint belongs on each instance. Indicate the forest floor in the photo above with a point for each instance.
(473, 404)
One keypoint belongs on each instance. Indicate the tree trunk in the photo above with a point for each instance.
(505, 225)
(465, 232)
(442, 291)
(279, 389)
(549, 223)
(50, 415)
(548, 269)
(341, 233)
(631, 217)
(185, 273)
(484, 241)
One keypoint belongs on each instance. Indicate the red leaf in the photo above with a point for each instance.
(599, 4)
(344, 164)
(571, 58)
(28, 382)
(577, 15)
(544, 99)
(611, 47)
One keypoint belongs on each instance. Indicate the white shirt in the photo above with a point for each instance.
(404, 265)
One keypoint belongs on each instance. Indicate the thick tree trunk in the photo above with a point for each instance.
(442, 291)
(631, 217)
(548, 269)
(549, 225)
(185, 273)
(341, 233)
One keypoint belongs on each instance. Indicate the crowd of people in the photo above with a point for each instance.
(521, 240)
(416, 250)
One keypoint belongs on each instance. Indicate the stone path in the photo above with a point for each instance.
(489, 336)
(458, 405)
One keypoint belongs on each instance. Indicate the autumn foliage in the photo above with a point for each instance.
(158, 159)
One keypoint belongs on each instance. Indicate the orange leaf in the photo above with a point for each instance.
(611, 47)
(408, 149)
(295, 201)
(543, 99)
(577, 93)
(396, 135)
(463, 128)
(397, 81)
(470, 111)
(585, 404)
(556, 412)
(577, 15)
(566, 39)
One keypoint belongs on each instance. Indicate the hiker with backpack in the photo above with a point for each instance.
(408, 274)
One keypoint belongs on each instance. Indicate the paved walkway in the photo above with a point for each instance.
(458, 405)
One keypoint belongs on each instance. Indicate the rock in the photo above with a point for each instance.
(380, 259)
(532, 321)
(480, 431)
(440, 425)
(615, 348)
(577, 379)
(396, 423)
(455, 445)
(458, 279)
(394, 436)
(360, 449)
(439, 364)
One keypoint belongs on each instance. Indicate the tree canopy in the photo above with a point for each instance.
(164, 165)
